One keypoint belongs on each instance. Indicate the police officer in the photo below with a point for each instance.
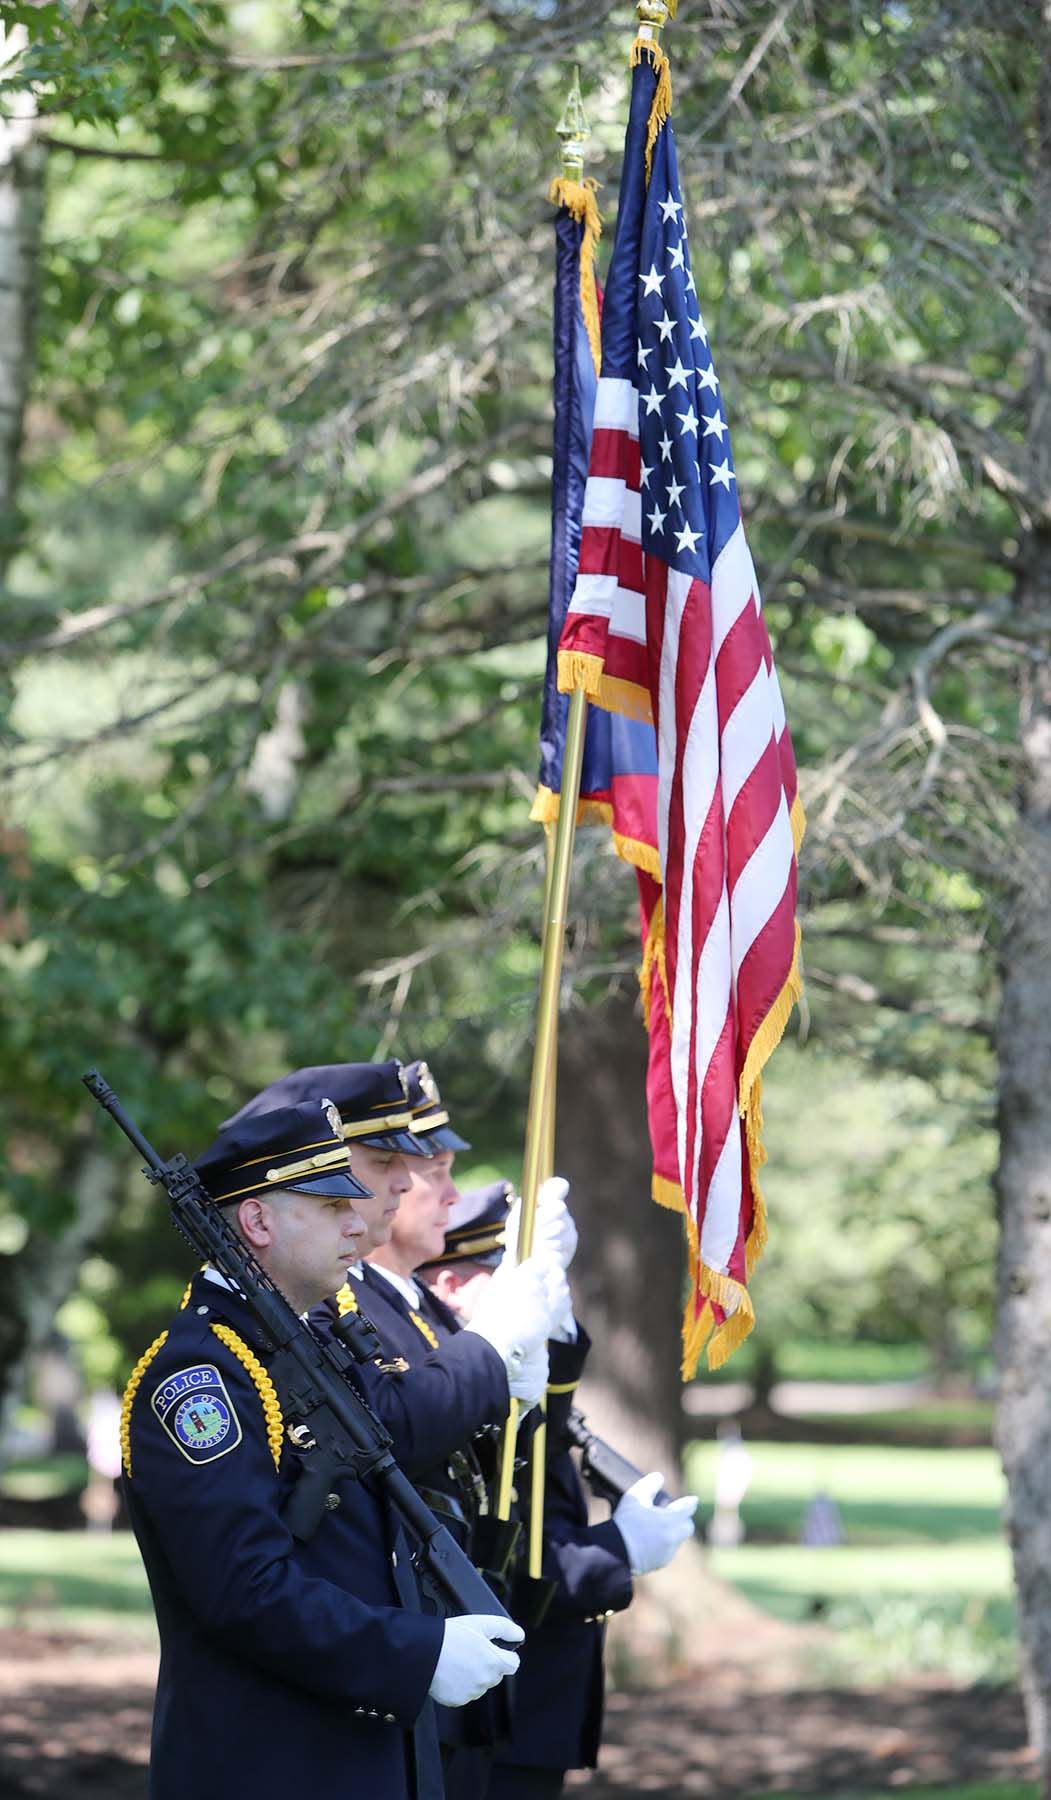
(283, 1664)
(558, 1693)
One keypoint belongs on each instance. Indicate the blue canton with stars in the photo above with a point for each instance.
(688, 485)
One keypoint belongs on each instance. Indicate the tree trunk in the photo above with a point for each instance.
(35, 1280)
(21, 215)
(1024, 1180)
(628, 1271)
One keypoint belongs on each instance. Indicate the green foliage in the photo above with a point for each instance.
(273, 638)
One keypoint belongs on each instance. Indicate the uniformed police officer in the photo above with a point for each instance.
(558, 1693)
(283, 1664)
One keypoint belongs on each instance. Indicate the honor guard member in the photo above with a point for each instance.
(458, 1391)
(283, 1663)
(558, 1693)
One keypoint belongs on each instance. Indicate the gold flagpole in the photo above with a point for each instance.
(572, 130)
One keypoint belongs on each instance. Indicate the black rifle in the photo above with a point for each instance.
(608, 1473)
(343, 1436)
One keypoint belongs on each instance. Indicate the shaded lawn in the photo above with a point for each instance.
(80, 1578)
(884, 1493)
(923, 1579)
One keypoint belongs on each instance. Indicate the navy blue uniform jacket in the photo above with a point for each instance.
(285, 1667)
(478, 1397)
(560, 1682)
(444, 1396)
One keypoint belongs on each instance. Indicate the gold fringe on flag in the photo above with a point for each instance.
(660, 109)
(578, 198)
(546, 803)
(581, 669)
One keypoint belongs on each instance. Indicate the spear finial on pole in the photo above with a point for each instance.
(653, 15)
(573, 130)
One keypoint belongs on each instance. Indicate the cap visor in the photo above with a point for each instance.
(443, 1137)
(395, 1140)
(329, 1184)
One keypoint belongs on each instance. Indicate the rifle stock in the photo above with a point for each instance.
(608, 1473)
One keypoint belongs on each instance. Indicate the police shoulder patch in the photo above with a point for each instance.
(198, 1414)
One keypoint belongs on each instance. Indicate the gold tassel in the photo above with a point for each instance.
(660, 109)
(578, 198)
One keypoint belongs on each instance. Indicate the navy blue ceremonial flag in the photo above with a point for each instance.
(618, 780)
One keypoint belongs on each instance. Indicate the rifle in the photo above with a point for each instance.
(336, 1432)
(608, 1473)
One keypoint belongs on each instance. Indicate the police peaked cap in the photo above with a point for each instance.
(373, 1101)
(477, 1227)
(297, 1147)
(430, 1119)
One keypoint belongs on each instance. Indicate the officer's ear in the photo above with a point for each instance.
(255, 1222)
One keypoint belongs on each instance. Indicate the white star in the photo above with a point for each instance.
(677, 375)
(652, 283)
(653, 400)
(714, 425)
(723, 474)
(707, 378)
(691, 285)
(644, 355)
(675, 488)
(645, 472)
(696, 331)
(665, 448)
(677, 258)
(665, 326)
(687, 538)
(655, 519)
(670, 209)
(688, 422)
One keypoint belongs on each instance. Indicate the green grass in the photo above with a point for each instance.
(824, 1361)
(886, 1495)
(44, 1477)
(86, 1580)
(923, 1579)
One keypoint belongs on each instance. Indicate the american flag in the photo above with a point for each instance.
(665, 623)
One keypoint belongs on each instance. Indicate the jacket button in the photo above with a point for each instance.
(201, 1310)
(331, 1502)
(394, 1559)
(389, 1719)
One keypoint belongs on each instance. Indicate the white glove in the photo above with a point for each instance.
(469, 1663)
(554, 1233)
(515, 1315)
(652, 1534)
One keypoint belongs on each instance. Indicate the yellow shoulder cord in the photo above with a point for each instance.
(275, 1424)
(347, 1300)
(134, 1380)
(424, 1329)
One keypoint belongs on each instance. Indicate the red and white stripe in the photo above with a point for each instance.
(726, 786)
